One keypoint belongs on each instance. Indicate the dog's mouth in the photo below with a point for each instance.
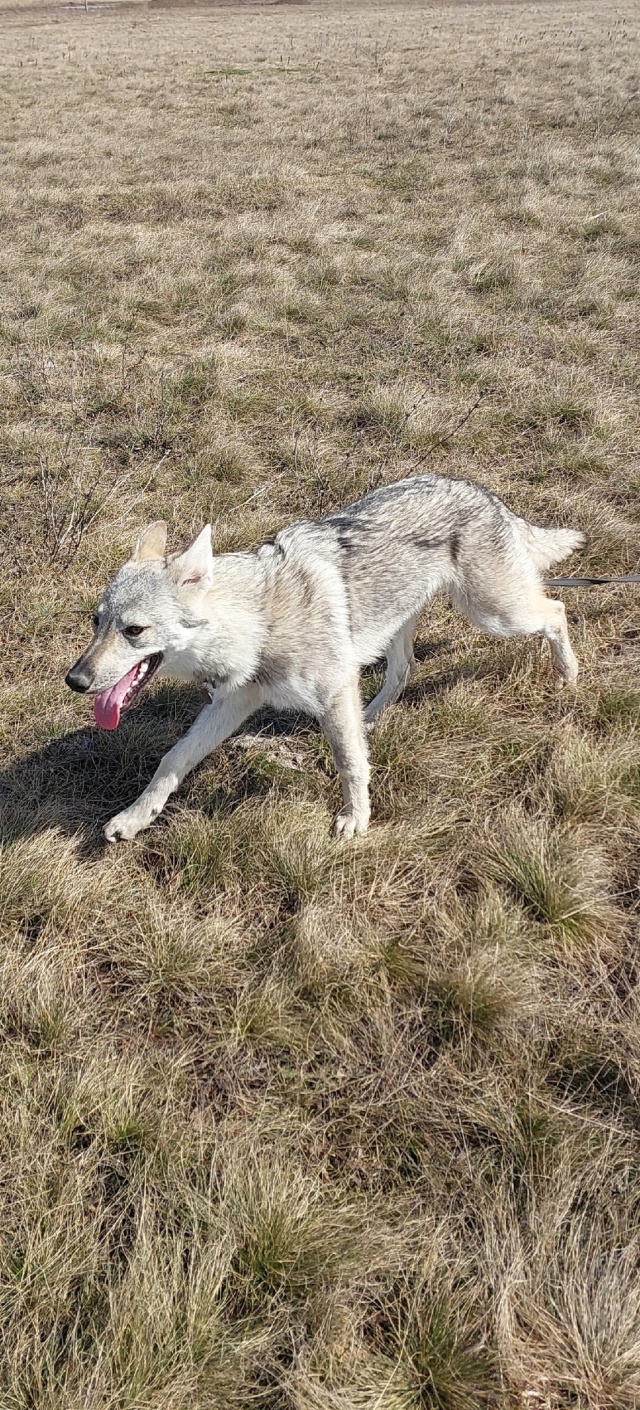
(109, 704)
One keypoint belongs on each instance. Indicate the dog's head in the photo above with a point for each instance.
(145, 618)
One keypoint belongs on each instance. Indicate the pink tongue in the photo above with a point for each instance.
(108, 704)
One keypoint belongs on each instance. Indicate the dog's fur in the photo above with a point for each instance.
(291, 624)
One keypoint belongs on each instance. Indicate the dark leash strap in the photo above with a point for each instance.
(590, 582)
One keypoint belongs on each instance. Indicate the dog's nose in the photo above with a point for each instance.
(78, 678)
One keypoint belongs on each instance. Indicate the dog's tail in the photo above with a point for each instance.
(549, 546)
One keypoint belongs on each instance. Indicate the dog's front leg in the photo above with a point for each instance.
(217, 721)
(343, 725)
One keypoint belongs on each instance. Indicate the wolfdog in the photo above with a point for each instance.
(291, 623)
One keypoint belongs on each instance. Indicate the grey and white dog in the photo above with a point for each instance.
(290, 624)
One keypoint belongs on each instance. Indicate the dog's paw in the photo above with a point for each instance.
(349, 822)
(568, 682)
(126, 825)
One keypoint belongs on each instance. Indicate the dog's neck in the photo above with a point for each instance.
(222, 631)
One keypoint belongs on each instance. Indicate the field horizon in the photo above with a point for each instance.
(285, 1124)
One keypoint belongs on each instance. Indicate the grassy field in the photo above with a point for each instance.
(286, 1125)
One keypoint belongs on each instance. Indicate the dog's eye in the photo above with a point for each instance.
(133, 631)
(95, 621)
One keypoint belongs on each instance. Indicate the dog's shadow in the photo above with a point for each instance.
(76, 782)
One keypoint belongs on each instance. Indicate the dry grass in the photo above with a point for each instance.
(286, 1126)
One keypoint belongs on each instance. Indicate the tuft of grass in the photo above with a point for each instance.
(283, 851)
(435, 1355)
(595, 782)
(617, 706)
(560, 882)
(289, 1240)
(485, 276)
(461, 1003)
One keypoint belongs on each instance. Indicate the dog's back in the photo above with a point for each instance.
(399, 545)
(403, 542)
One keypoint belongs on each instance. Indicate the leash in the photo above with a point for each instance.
(589, 582)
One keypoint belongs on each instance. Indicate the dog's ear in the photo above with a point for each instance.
(194, 567)
(151, 544)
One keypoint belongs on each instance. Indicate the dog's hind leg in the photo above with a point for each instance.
(523, 610)
(565, 665)
(342, 724)
(216, 722)
(401, 664)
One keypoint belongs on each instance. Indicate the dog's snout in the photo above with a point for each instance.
(78, 678)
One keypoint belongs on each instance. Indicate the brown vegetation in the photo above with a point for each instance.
(285, 1125)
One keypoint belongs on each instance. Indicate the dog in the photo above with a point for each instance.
(290, 624)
